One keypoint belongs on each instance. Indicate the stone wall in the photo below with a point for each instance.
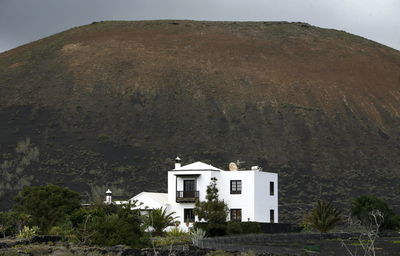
(262, 241)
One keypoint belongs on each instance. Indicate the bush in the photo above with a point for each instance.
(234, 227)
(47, 205)
(323, 217)
(196, 235)
(109, 225)
(8, 223)
(176, 232)
(213, 211)
(159, 219)
(28, 232)
(103, 138)
(175, 236)
(64, 230)
(364, 205)
(250, 227)
(200, 225)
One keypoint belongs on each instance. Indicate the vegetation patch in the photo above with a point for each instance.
(312, 248)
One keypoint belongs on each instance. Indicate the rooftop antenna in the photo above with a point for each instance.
(238, 163)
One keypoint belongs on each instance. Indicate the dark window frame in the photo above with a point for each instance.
(193, 181)
(236, 214)
(271, 188)
(185, 215)
(236, 186)
(271, 216)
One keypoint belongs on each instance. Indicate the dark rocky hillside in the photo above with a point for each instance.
(112, 103)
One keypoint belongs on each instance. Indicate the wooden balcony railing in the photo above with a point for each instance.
(187, 196)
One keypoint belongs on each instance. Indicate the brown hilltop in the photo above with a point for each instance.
(112, 102)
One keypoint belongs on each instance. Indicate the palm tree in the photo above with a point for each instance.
(159, 219)
(324, 216)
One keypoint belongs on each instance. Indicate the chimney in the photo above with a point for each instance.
(177, 162)
(108, 196)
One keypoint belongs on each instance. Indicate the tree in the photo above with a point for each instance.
(109, 225)
(159, 219)
(213, 210)
(368, 234)
(47, 205)
(364, 205)
(324, 216)
(6, 223)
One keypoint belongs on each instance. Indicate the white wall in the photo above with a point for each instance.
(254, 200)
(202, 182)
(245, 200)
(264, 201)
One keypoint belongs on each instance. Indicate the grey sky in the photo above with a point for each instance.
(23, 21)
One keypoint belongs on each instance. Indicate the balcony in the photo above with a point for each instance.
(187, 196)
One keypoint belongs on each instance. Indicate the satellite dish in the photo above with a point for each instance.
(233, 167)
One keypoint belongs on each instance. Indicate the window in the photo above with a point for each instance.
(271, 216)
(236, 186)
(271, 188)
(189, 185)
(188, 215)
(236, 214)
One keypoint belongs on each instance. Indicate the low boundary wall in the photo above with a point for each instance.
(271, 228)
(264, 239)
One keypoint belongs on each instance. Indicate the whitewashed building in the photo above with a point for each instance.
(251, 195)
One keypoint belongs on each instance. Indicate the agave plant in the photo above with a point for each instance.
(324, 216)
(159, 219)
(196, 235)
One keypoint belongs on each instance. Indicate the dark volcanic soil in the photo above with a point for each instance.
(111, 104)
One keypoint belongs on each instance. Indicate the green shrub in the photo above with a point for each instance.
(8, 223)
(159, 219)
(214, 211)
(312, 248)
(103, 138)
(109, 225)
(28, 232)
(234, 227)
(323, 217)
(175, 236)
(364, 205)
(55, 231)
(47, 205)
(250, 227)
(176, 232)
(64, 230)
(196, 235)
(200, 225)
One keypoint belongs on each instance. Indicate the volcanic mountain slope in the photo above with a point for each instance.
(112, 103)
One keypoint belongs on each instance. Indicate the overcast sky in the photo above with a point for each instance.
(23, 21)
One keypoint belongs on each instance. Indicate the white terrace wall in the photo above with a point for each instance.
(201, 185)
(245, 200)
(255, 200)
(264, 202)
